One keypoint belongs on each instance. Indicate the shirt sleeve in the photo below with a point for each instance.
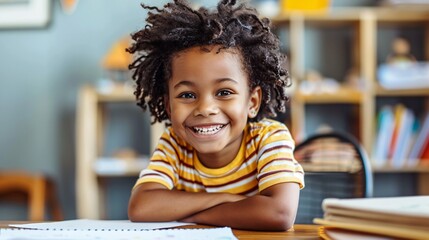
(276, 162)
(162, 166)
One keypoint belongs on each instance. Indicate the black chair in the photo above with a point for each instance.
(335, 166)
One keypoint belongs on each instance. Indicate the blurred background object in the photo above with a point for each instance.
(24, 14)
(401, 51)
(117, 58)
(69, 6)
(308, 5)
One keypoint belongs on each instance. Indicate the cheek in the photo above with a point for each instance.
(178, 113)
(238, 110)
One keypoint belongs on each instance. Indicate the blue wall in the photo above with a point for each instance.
(41, 71)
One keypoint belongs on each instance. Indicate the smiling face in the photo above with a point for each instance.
(209, 102)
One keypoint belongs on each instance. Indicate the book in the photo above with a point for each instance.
(112, 229)
(384, 135)
(403, 217)
(413, 139)
(421, 143)
(425, 155)
(399, 110)
(403, 139)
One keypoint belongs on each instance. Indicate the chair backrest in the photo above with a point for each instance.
(335, 166)
(36, 189)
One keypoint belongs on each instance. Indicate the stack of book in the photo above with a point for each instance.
(398, 217)
(402, 138)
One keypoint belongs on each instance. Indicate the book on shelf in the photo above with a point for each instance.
(399, 111)
(329, 155)
(425, 155)
(403, 139)
(399, 217)
(400, 138)
(385, 125)
(420, 149)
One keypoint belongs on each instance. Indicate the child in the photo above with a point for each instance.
(214, 76)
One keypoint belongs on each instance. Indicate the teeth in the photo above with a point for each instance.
(208, 130)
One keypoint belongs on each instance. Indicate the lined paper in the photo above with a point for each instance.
(88, 224)
(112, 230)
(177, 234)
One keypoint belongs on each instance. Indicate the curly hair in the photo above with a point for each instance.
(177, 27)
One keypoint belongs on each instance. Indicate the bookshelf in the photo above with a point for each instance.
(352, 38)
(91, 166)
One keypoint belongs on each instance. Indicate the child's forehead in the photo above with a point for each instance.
(210, 56)
(209, 49)
(208, 62)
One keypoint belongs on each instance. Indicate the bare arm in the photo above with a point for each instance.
(273, 210)
(154, 202)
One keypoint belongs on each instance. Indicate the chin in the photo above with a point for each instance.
(208, 149)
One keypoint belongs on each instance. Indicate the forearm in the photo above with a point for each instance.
(259, 212)
(172, 205)
(256, 213)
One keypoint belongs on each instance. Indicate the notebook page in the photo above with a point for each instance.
(88, 224)
(415, 206)
(179, 234)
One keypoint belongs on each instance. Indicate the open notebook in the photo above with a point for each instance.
(111, 229)
(406, 217)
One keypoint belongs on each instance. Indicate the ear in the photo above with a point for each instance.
(255, 99)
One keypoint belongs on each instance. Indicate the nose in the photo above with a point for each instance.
(205, 107)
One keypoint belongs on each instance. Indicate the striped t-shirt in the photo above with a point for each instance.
(265, 158)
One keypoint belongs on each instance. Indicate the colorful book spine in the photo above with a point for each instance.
(420, 149)
(384, 135)
(403, 139)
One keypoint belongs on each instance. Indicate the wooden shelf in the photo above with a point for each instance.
(382, 14)
(361, 28)
(406, 169)
(403, 92)
(401, 15)
(341, 96)
(90, 166)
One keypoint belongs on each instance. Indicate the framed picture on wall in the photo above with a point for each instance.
(24, 13)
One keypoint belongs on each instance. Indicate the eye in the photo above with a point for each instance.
(224, 92)
(186, 95)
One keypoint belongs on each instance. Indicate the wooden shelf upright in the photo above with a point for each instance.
(90, 124)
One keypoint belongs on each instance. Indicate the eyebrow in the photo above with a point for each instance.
(189, 83)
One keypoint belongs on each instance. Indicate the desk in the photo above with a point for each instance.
(300, 232)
